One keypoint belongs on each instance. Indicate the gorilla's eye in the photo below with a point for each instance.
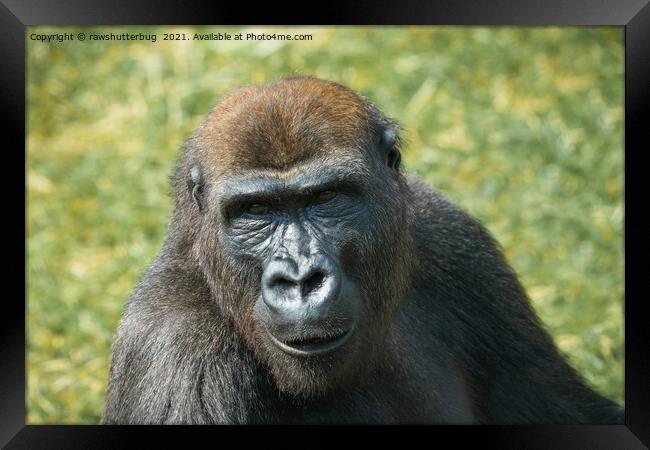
(325, 196)
(258, 209)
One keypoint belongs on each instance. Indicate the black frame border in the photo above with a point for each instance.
(634, 15)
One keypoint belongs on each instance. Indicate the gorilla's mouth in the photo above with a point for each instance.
(312, 345)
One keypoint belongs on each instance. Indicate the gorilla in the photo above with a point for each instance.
(306, 279)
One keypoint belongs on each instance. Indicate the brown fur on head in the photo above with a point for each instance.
(279, 131)
(280, 124)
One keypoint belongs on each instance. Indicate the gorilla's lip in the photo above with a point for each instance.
(312, 345)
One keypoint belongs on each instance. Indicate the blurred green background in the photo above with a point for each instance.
(522, 127)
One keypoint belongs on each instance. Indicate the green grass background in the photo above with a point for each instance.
(523, 127)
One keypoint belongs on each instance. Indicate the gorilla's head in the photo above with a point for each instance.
(298, 216)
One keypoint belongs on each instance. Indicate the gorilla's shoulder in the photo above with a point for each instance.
(445, 232)
(424, 196)
(173, 293)
(433, 212)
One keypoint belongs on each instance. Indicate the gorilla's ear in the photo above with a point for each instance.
(388, 145)
(197, 178)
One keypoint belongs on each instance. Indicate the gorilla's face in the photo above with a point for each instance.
(305, 250)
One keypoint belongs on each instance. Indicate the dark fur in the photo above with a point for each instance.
(449, 335)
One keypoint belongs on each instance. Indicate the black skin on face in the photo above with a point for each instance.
(305, 279)
(294, 228)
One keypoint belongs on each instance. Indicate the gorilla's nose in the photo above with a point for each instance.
(300, 289)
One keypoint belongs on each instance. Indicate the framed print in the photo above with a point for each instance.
(418, 216)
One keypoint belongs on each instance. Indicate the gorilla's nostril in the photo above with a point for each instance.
(284, 284)
(312, 283)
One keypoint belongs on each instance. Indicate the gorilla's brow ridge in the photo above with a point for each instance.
(304, 182)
